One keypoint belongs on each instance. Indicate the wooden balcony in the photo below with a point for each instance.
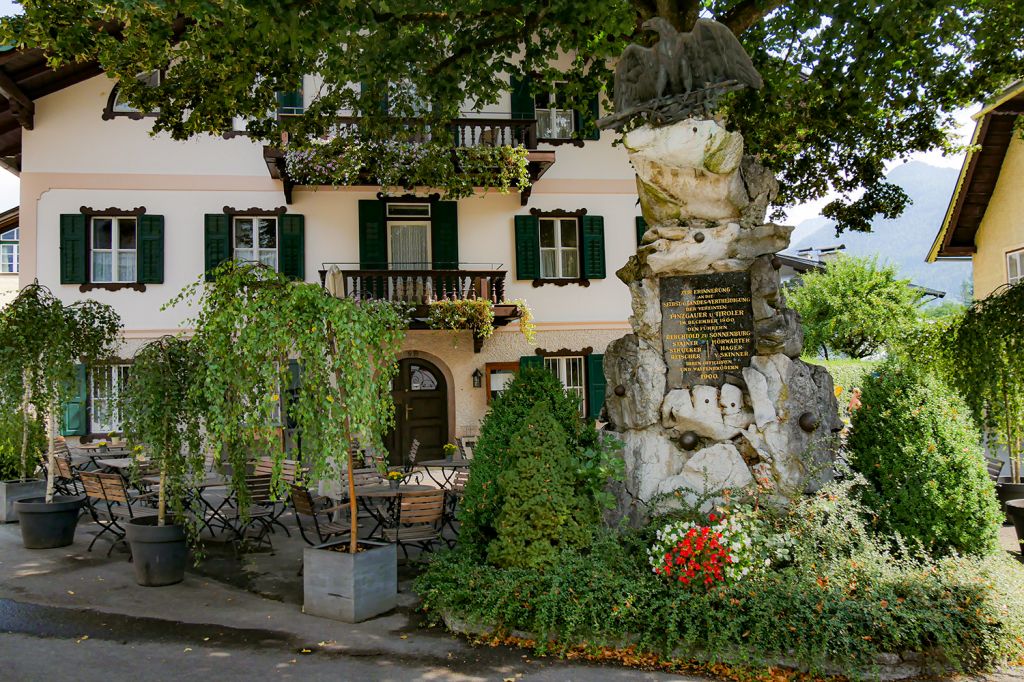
(419, 287)
(466, 133)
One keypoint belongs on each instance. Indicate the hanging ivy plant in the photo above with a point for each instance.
(349, 159)
(160, 415)
(41, 339)
(250, 322)
(982, 353)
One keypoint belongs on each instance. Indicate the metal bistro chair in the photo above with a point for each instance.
(66, 480)
(259, 513)
(417, 520)
(315, 509)
(995, 467)
(111, 503)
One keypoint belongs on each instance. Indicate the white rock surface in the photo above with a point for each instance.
(760, 400)
(714, 469)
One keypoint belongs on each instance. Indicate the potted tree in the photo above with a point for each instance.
(22, 444)
(41, 339)
(255, 326)
(159, 415)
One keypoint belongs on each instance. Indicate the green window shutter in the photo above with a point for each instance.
(217, 241)
(292, 392)
(151, 249)
(534, 361)
(596, 384)
(291, 244)
(366, 88)
(527, 247)
(74, 249)
(593, 113)
(523, 107)
(444, 235)
(75, 420)
(373, 236)
(641, 228)
(592, 247)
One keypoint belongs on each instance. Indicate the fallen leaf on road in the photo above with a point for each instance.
(71, 593)
(404, 637)
(206, 639)
(188, 649)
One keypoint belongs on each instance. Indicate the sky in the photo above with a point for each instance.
(795, 215)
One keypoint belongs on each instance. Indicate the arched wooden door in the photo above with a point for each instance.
(420, 393)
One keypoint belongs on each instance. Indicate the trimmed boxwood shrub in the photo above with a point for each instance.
(494, 454)
(541, 512)
(914, 440)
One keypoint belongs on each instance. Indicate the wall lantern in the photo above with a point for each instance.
(478, 378)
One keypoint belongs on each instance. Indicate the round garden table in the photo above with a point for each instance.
(446, 468)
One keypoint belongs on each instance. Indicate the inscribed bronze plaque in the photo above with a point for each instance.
(707, 327)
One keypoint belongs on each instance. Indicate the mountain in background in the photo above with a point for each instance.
(903, 242)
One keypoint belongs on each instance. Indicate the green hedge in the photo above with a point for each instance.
(843, 599)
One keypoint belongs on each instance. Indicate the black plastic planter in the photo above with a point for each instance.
(158, 552)
(1007, 491)
(1015, 510)
(45, 526)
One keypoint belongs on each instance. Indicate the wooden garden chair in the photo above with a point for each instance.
(291, 471)
(66, 480)
(317, 510)
(259, 514)
(111, 503)
(995, 467)
(418, 520)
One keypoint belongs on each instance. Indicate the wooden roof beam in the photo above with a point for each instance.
(22, 106)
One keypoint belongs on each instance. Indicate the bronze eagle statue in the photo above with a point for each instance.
(683, 73)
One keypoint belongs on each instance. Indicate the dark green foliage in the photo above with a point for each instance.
(11, 431)
(848, 85)
(843, 598)
(493, 453)
(541, 511)
(914, 441)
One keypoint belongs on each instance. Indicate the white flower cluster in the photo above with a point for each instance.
(750, 542)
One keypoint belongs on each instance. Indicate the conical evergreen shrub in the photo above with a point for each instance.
(494, 453)
(541, 512)
(915, 442)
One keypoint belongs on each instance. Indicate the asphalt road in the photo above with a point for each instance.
(51, 644)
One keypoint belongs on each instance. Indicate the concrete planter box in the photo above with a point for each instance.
(347, 587)
(12, 491)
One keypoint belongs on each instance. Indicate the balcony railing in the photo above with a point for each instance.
(470, 132)
(413, 283)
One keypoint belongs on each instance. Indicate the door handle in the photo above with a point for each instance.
(408, 411)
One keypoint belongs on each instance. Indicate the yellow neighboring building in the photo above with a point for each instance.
(985, 219)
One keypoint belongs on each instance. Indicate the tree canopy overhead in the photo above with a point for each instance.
(849, 85)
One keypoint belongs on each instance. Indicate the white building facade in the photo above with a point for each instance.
(113, 213)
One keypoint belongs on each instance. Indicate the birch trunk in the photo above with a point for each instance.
(51, 456)
(26, 398)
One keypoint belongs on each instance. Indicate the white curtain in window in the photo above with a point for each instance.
(409, 247)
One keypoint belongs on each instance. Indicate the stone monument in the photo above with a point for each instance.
(708, 393)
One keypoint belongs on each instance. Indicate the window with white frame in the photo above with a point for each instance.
(114, 249)
(9, 251)
(105, 385)
(570, 371)
(256, 240)
(554, 122)
(1014, 266)
(121, 106)
(559, 248)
